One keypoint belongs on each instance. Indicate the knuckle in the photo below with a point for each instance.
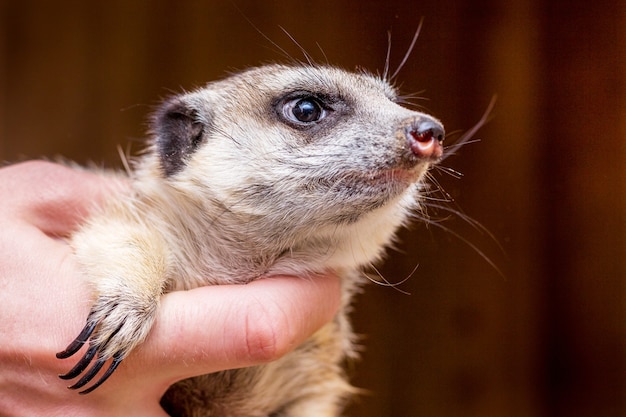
(268, 334)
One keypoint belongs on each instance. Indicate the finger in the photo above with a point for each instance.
(58, 198)
(215, 328)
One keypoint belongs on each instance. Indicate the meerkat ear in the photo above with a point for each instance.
(179, 131)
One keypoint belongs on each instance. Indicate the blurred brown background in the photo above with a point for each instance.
(547, 178)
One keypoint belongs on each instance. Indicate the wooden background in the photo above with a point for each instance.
(547, 178)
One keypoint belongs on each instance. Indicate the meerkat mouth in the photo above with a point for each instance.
(395, 176)
(387, 181)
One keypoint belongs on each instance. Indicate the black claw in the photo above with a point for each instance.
(116, 361)
(88, 375)
(87, 358)
(106, 343)
(82, 364)
(80, 340)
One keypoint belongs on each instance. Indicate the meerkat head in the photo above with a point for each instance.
(307, 143)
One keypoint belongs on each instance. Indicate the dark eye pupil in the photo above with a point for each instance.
(307, 111)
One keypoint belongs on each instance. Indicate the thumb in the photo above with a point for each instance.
(215, 328)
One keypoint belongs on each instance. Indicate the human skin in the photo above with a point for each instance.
(44, 300)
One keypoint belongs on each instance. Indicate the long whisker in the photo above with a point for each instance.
(469, 220)
(467, 136)
(307, 56)
(388, 57)
(385, 283)
(281, 50)
(408, 52)
(323, 53)
(452, 172)
(438, 188)
(467, 242)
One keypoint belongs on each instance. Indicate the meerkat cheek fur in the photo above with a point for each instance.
(275, 170)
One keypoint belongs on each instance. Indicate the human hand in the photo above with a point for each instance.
(44, 300)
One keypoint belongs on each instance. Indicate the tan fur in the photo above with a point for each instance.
(258, 197)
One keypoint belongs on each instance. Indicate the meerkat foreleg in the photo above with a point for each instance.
(127, 266)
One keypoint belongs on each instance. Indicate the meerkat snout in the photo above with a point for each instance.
(425, 138)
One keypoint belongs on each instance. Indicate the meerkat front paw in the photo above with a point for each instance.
(114, 327)
(126, 263)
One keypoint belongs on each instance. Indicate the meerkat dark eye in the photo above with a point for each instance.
(307, 111)
(303, 110)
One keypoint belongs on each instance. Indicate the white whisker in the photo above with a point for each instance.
(408, 52)
(385, 283)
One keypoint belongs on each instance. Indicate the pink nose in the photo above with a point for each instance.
(425, 139)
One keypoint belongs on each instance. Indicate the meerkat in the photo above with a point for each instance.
(279, 169)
